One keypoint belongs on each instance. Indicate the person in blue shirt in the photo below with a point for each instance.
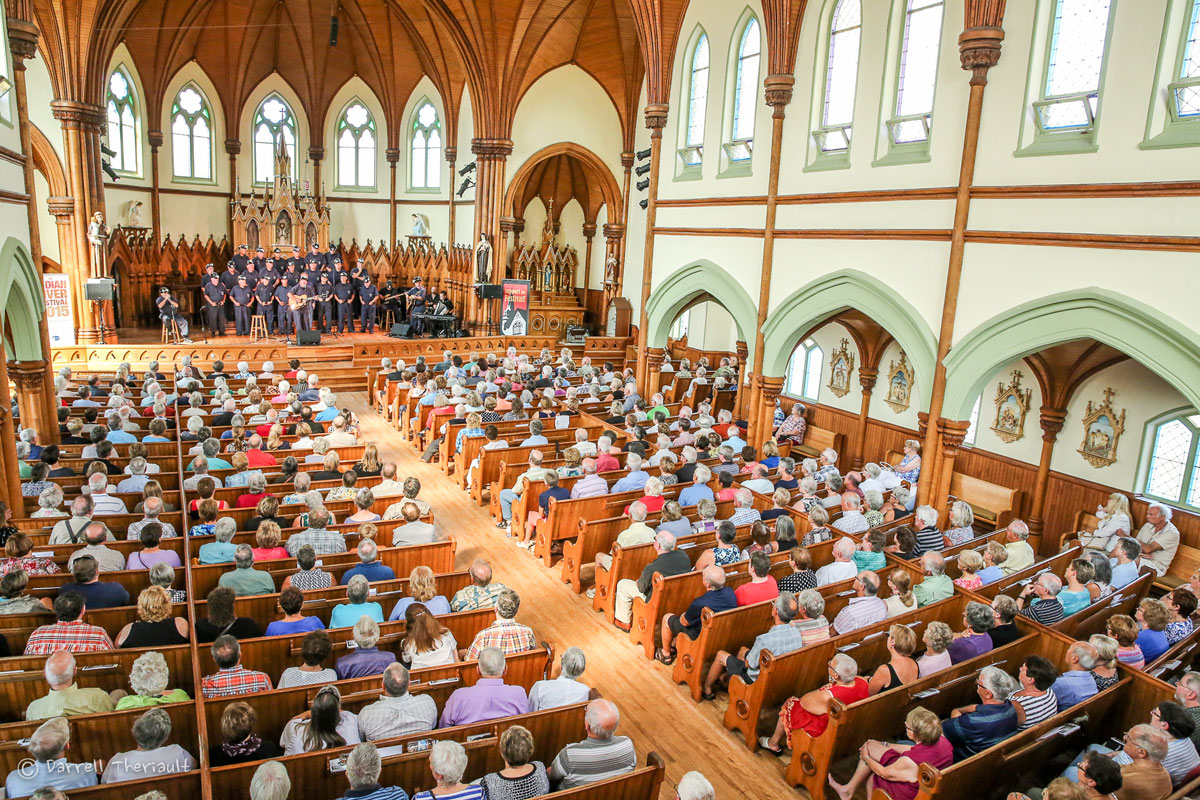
(1153, 616)
(223, 549)
(371, 567)
(735, 439)
(699, 490)
(973, 729)
(331, 412)
(346, 614)
(636, 479)
(717, 596)
(1124, 561)
(994, 555)
(291, 600)
(48, 765)
(1077, 683)
(535, 434)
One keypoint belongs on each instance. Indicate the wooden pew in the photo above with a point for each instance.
(182, 786)
(994, 505)
(816, 440)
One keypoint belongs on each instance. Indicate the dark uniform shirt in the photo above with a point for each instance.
(291, 277)
(281, 293)
(241, 294)
(264, 292)
(229, 279)
(367, 294)
(214, 292)
(270, 276)
(240, 260)
(325, 292)
(343, 292)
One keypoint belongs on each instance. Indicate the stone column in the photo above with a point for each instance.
(22, 37)
(155, 138)
(768, 391)
(232, 148)
(589, 233)
(1051, 421)
(951, 434)
(392, 156)
(491, 156)
(11, 487)
(866, 379)
(656, 120)
(82, 124)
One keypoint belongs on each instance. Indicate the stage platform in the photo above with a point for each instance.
(349, 353)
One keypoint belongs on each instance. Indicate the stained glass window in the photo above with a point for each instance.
(1174, 470)
(122, 122)
(426, 148)
(356, 147)
(1186, 91)
(918, 71)
(698, 96)
(746, 82)
(274, 119)
(191, 134)
(841, 76)
(1072, 90)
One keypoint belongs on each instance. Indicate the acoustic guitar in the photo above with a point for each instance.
(298, 303)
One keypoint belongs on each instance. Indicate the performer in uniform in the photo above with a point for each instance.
(253, 272)
(242, 297)
(316, 258)
(343, 295)
(228, 281)
(301, 306)
(389, 299)
(260, 257)
(296, 258)
(369, 296)
(270, 273)
(416, 301)
(214, 305)
(292, 275)
(324, 303)
(264, 294)
(242, 257)
(168, 309)
(282, 313)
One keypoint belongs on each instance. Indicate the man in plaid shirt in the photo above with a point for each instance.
(231, 678)
(324, 541)
(70, 633)
(505, 633)
(480, 594)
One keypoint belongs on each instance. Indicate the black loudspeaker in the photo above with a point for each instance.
(333, 31)
(489, 291)
(400, 330)
(99, 289)
(308, 338)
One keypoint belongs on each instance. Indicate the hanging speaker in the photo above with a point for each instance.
(333, 31)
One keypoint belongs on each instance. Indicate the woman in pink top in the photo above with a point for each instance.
(267, 538)
(895, 768)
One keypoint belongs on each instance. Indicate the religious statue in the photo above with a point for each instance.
(133, 217)
(483, 259)
(548, 278)
(97, 236)
(420, 225)
(610, 271)
(283, 228)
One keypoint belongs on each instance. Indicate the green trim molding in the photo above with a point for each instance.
(21, 299)
(1160, 343)
(684, 287)
(839, 291)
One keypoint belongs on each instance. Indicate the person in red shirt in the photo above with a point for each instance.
(762, 585)
(605, 461)
(257, 456)
(653, 500)
(256, 490)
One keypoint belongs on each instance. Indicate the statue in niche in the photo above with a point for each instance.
(133, 217)
(97, 236)
(483, 260)
(283, 228)
(610, 271)
(420, 225)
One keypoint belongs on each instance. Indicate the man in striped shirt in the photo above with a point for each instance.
(70, 633)
(591, 484)
(598, 757)
(231, 678)
(928, 535)
(1039, 599)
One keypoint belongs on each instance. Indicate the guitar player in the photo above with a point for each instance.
(300, 305)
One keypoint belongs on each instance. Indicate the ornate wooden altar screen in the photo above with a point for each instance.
(550, 269)
(282, 217)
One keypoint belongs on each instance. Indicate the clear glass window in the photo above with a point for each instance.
(356, 147)
(191, 135)
(273, 120)
(426, 148)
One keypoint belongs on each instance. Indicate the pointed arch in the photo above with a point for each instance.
(743, 81)
(273, 85)
(425, 140)
(701, 280)
(21, 300)
(593, 165)
(1160, 343)
(46, 161)
(850, 289)
(123, 109)
(191, 122)
(695, 80)
(356, 142)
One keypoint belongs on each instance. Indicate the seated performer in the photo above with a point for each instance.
(168, 309)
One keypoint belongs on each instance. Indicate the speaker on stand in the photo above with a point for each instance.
(99, 291)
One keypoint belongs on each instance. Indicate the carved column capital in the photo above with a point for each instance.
(952, 433)
(27, 375)
(656, 116)
(316, 153)
(23, 39)
(392, 155)
(62, 208)
(508, 224)
(769, 388)
(742, 350)
(451, 154)
(154, 139)
(1051, 421)
(627, 160)
(492, 149)
(654, 357)
(613, 232)
(867, 378)
(922, 424)
(79, 116)
(979, 50)
(777, 92)
(589, 230)
(233, 147)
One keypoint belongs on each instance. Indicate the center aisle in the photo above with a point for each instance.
(656, 713)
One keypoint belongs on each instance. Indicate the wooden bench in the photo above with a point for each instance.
(994, 505)
(817, 440)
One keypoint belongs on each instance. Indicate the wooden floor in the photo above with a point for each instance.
(658, 714)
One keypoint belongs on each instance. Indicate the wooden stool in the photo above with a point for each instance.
(170, 332)
(258, 328)
(389, 319)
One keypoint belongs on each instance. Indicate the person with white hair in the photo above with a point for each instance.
(137, 479)
(48, 765)
(565, 689)
(363, 768)
(810, 712)
(270, 782)
(668, 561)
(397, 712)
(842, 567)
(243, 370)
(153, 755)
(781, 638)
(1020, 554)
(635, 479)
(1039, 599)
(602, 755)
(102, 501)
(66, 698)
(489, 698)
(929, 538)
(447, 763)
(1159, 538)
(974, 728)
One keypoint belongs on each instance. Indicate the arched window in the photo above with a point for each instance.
(273, 119)
(745, 93)
(804, 371)
(122, 122)
(191, 134)
(841, 77)
(426, 148)
(680, 328)
(1071, 93)
(1174, 468)
(1186, 90)
(693, 149)
(918, 71)
(356, 147)
(973, 428)
(6, 95)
